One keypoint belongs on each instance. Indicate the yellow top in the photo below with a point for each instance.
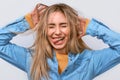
(62, 61)
(29, 20)
(86, 24)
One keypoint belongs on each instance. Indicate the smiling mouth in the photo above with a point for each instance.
(57, 40)
(61, 38)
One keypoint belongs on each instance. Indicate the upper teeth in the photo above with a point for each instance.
(61, 38)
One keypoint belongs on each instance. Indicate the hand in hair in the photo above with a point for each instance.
(83, 25)
(33, 17)
(38, 10)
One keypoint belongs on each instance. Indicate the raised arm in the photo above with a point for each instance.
(106, 58)
(11, 52)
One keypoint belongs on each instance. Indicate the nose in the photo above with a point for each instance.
(57, 30)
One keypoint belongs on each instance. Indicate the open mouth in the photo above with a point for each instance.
(58, 40)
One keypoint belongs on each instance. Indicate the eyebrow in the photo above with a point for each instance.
(60, 23)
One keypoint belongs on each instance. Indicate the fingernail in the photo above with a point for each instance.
(80, 32)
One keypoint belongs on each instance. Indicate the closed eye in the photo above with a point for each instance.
(64, 26)
(50, 26)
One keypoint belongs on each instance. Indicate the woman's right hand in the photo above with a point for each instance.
(33, 17)
(38, 10)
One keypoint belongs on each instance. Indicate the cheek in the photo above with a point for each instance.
(49, 32)
(67, 32)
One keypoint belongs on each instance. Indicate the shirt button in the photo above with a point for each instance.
(70, 59)
(66, 70)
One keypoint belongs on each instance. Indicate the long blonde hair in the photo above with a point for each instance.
(43, 49)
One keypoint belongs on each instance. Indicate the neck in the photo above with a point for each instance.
(61, 51)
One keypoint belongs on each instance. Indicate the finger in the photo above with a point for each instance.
(35, 14)
(38, 8)
(41, 8)
(35, 17)
(81, 31)
(39, 4)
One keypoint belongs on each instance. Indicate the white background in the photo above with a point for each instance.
(107, 11)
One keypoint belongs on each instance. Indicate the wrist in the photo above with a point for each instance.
(29, 20)
(86, 25)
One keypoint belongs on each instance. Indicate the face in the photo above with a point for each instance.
(58, 31)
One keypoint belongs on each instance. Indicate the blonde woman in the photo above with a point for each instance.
(59, 53)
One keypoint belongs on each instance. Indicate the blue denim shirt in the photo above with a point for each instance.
(84, 66)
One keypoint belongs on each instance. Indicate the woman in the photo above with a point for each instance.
(59, 52)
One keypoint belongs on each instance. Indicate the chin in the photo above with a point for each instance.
(58, 47)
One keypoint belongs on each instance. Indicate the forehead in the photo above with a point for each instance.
(56, 17)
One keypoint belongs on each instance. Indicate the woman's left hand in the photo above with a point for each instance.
(82, 28)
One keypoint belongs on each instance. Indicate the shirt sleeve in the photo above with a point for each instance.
(106, 58)
(29, 20)
(11, 52)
